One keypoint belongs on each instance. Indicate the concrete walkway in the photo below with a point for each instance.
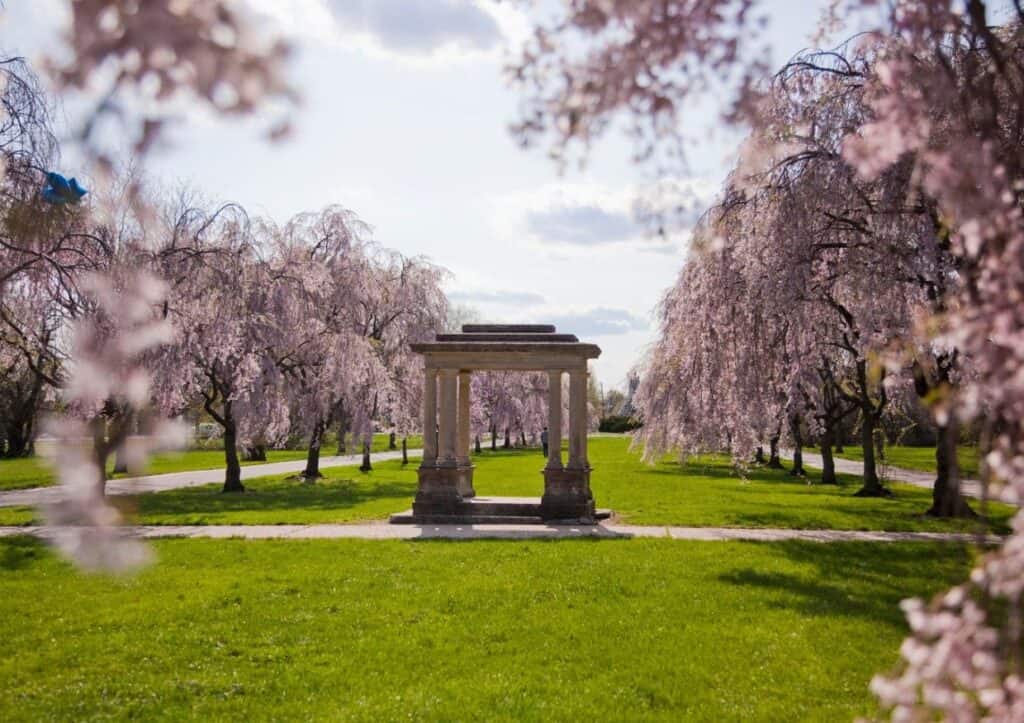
(384, 531)
(159, 482)
(926, 480)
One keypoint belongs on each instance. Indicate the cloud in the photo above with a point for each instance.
(410, 30)
(599, 321)
(579, 218)
(524, 298)
(418, 27)
(584, 224)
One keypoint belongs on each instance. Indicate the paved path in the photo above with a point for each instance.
(970, 487)
(385, 531)
(160, 482)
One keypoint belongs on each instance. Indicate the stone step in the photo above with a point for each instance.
(529, 507)
(550, 338)
(408, 518)
(477, 516)
(508, 328)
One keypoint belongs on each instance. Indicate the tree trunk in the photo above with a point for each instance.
(342, 433)
(798, 448)
(522, 438)
(405, 451)
(120, 466)
(255, 453)
(19, 428)
(508, 440)
(19, 442)
(99, 451)
(232, 470)
(947, 499)
(494, 437)
(759, 455)
(366, 466)
(828, 462)
(391, 441)
(476, 447)
(872, 486)
(312, 471)
(773, 452)
(798, 461)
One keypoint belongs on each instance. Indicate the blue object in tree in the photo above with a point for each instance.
(59, 190)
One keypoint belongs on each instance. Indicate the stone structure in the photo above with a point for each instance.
(446, 491)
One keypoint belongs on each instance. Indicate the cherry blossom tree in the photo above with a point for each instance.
(219, 291)
(154, 52)
(512, 404)
(323, 360)
(30, 363)
(840, 266)
(942, 97)
(406, 304)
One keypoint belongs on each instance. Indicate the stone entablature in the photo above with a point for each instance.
(446, 473)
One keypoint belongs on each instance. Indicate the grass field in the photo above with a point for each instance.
(33, 472)
(706, 492)
(920, 458)
(382, 630)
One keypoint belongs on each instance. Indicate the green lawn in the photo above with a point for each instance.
(33, 472)
(705, 492)
(382, 630)
(920, 458)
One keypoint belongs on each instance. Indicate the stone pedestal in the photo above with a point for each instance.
(443, 489)
(567, 495)
(438, 492)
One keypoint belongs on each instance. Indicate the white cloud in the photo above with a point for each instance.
(582, 224)
(418, 27)
(570, 219)
(414, 32)
(598, 321)
(497, 297)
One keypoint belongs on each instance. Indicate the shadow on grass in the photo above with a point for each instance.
(522, 452)
(281, 495)
(860, 580)
(725, 470)
(21, 552)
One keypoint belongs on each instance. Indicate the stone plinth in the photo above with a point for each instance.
(442, 489)
(438, 491)
(567, 495)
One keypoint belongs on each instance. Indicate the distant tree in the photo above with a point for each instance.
(406, 304)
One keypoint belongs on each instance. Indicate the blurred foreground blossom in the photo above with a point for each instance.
(107, 391)
(140, 61)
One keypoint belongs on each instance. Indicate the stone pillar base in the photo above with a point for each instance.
(464, 481)
(438, 491)
(567, 495)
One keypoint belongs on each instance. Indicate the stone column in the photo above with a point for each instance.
(429, 417)
(462, 450)
(464, 471)
(446, 455)
(577, 419)
(567, 491)
(554, 420)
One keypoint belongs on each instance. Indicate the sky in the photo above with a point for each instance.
(404, 119)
